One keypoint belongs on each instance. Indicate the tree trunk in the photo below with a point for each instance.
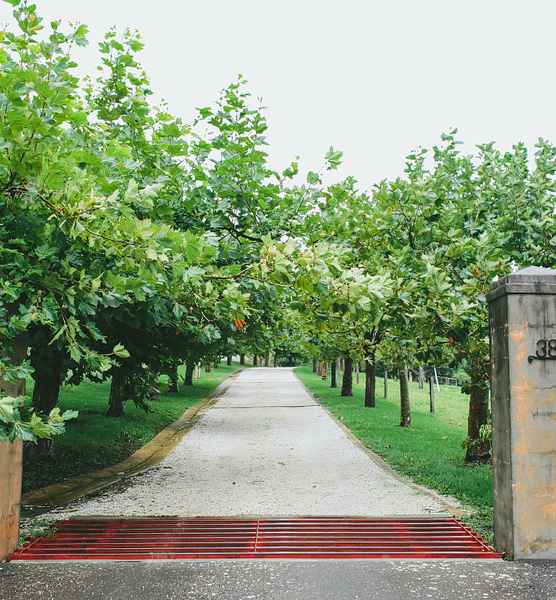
(431, 396)
(385, 384)
(266, 359)
(370, 381)
(333, 379)
(357, 370)
(47, 363)
(274, 360)
(255, 360)
(242, 359)
(208, 367)
(173, 382)
(314, 365)
(189, 370)
(477, 451)
(405, 408)
(118, 388)
(421, 377)
(347, 379)
(229, 360)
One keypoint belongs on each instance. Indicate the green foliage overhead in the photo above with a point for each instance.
(131, 241)
(16, 424)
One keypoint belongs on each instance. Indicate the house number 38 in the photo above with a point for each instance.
(546, 350)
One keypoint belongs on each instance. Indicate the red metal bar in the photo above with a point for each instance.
(219, 538)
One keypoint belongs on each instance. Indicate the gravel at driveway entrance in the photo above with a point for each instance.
(264, 448)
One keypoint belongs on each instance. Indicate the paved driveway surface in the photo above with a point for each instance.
(265, 448)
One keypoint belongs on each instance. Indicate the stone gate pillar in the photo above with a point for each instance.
(522, 309)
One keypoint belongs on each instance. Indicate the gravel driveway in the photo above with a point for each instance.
(264, 448)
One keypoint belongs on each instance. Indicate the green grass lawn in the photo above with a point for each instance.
(94, 441)
(429, 452)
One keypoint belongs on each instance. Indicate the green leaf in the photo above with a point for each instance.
(80, 35)
(136, 45)
(120, 351)
(313, 178)
(333, 159)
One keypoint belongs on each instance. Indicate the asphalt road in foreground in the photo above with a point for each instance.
(281, 580)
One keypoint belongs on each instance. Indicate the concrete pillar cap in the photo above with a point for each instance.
(529, 280)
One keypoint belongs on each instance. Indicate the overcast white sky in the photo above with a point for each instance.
(373, 78)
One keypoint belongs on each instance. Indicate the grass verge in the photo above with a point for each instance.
(94, 441)
(429, 452)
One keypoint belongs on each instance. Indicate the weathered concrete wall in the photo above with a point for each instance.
(10, 496)
(523, 321)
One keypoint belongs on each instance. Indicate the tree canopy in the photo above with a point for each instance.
(132, 242)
